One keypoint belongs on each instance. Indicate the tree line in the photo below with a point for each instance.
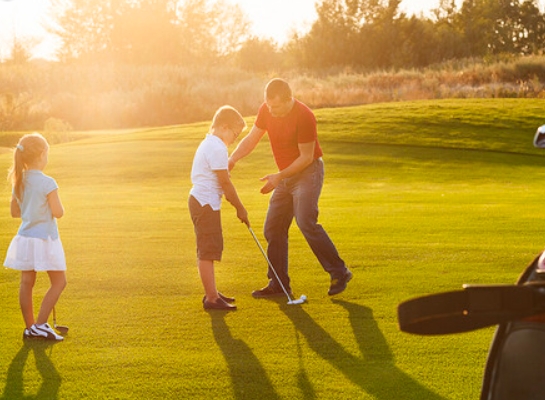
(374, 34)
(361, 34)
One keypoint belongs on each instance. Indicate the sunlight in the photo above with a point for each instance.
(24, 20)
(273, 20)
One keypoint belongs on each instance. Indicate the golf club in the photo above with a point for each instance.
(474, 307)
(63, 330)
(301, 299)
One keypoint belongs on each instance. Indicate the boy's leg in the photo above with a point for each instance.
(28, 279)
(208, 231)
(212, 299)
(58, 283)
(206, 272)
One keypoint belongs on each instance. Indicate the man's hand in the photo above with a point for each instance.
(273, 180)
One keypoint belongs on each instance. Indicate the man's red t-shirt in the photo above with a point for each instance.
(285, 133)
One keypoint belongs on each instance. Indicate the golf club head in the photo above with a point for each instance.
(475, 307)
(300, 300)
(63, 330)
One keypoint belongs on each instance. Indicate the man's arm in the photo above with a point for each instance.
(306, 156)
(231, 194)
(246, 145)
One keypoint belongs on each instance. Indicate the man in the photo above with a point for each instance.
(292, 131)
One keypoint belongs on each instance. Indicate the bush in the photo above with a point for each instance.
(85, 97)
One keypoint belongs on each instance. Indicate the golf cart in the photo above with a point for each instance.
(515, 368)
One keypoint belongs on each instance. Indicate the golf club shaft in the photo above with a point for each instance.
(270, 264)
(61, 328)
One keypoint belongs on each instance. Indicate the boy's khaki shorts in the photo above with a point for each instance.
(207, 224)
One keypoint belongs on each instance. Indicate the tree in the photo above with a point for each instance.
(209, 31)
(20, 52)
(148, 31)
(448, 38)
(504, 26)
(520, 28)
(360, 33)
(145, 32)
(258, 55)
(385, 34)
(84, 26)
(332, 38)
(532, 37)
(417, 43)
(231, 27)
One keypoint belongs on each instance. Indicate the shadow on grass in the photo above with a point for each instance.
(248, 377)
(51, 380)
(374, 371)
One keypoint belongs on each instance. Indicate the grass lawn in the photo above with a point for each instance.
(420, 197)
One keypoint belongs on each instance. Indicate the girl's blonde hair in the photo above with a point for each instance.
(28, 150)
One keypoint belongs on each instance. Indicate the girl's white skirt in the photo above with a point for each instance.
(33, 254)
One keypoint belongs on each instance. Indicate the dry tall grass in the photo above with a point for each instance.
(113, 96)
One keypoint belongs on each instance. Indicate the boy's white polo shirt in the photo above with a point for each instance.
(211, 155)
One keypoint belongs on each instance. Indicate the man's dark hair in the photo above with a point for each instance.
(278, 88)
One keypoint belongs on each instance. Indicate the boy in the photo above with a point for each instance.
(210, 179)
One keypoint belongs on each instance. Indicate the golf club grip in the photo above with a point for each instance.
(473, 308)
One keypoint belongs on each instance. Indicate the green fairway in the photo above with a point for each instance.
(419, 197)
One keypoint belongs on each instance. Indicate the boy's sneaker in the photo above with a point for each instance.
(44, 331)
(268, 291)
(223, 297)
(339, 284)
(219, 304)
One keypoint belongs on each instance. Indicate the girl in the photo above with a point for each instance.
(37, 246)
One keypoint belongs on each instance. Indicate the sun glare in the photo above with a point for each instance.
(24, 20)
(279, 19)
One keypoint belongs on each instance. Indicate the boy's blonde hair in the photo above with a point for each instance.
(28, 150)
(229, 116)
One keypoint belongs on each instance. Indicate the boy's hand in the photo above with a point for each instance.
(231, 164)
(242, 214)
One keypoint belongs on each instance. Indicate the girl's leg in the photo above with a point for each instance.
(28, 278)
(58, 283)
(206, 272)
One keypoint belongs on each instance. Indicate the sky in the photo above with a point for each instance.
(24, 19)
